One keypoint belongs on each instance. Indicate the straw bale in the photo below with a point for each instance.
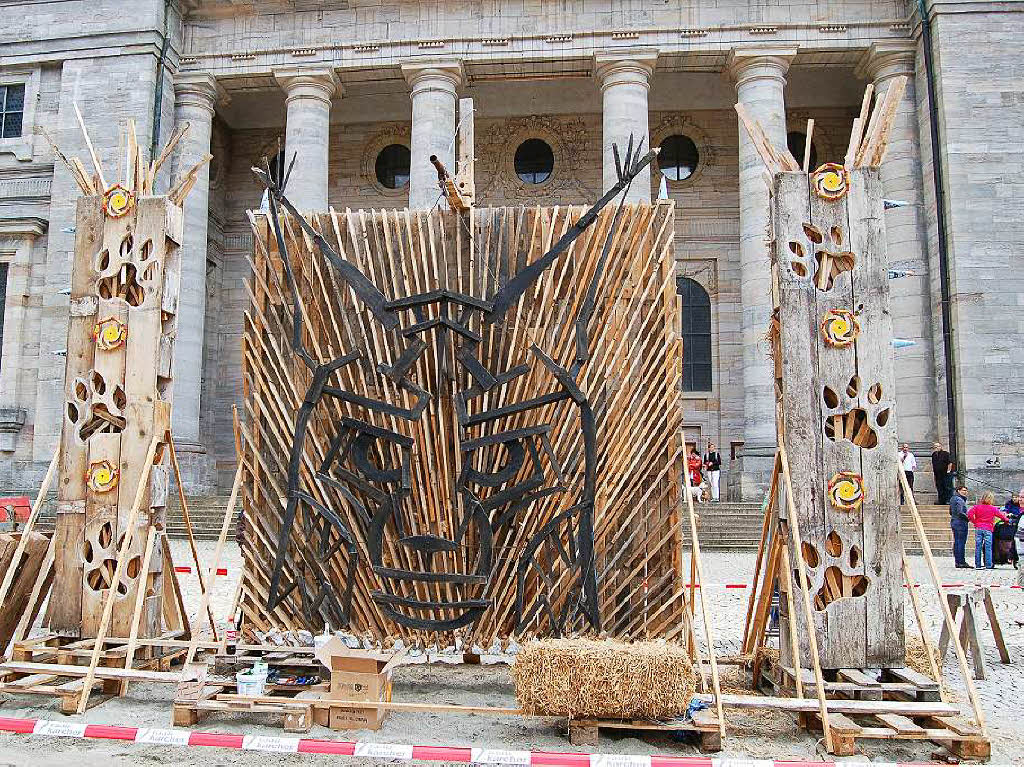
(587, 678)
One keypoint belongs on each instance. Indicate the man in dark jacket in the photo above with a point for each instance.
(942, 469)
(958, 523)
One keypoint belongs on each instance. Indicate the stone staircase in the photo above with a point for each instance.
(725, 526)
(731, 526)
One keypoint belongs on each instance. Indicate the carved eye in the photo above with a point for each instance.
(493, 465)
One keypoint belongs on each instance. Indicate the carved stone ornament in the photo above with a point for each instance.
(394, 133)
(495, 165)
(682, 125)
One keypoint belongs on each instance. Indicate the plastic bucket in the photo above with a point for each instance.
(251, 683)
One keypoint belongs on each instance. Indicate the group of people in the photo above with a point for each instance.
(995, 529)
(705, 473)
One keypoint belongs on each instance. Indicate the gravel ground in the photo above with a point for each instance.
(750, 734)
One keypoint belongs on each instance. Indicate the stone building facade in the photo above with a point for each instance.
(363, 91)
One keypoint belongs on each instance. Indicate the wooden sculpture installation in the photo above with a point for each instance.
(112, 472)
(464, 383)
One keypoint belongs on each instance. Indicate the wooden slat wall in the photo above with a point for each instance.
(632, 380)
(841, 549)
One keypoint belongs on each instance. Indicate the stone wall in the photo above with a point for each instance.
(981, 110)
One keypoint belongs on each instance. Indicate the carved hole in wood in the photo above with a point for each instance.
(99, 578)
(834, 544)
(88, 552)
(106, 534)
(72, 412)
(122, 284)
(81, 390)
(810, 554)
(875, 393)
(854, 556)
(883, 417)
(146, 252)
(813, 234)
(853, 388)
(853, 426)
(126, 246)
(103, 260)
(837, 585)
(830, 397)
(99, 386)
(837, 236)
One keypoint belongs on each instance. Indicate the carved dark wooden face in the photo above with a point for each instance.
(438, 440)
(435, 469)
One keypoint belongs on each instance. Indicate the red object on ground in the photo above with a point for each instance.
(20, 506)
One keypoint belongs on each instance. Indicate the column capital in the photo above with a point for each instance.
(886, 60)
(319, 83)
(433, 74)
(200, 90)
(625, 65)
(749, 64)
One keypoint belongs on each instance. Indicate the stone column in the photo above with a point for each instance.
(907, 240)
(195, 98)
(434, 86)
(760, 79)
(21, 233)
(307, 132)
(625, 78)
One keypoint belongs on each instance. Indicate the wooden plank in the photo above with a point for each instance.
(12, 566)
(140, 595)
(903, 725)
(22, 555)
(882, 552)
(122, 562)
(100, 672)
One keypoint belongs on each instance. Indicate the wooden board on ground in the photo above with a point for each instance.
(20, 592)
(704, 725)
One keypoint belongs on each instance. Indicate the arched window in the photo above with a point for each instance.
(696, 328)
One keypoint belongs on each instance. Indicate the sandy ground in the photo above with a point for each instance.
(761, 734)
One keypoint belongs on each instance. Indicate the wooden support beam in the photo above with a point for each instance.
(122, 563)
(972, 692)
(140, 598)
(30, 523)
(794, 529)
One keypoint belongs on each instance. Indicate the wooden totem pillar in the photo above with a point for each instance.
(124, 288)
(834, 369)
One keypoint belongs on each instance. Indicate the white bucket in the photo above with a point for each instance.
(251, 683)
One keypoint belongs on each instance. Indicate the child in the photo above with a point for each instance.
(982, 515)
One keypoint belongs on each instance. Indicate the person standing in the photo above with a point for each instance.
(909, 464)
(942, 469)
(983, 515)
(713, 466)
(694, 464)
(958, 523)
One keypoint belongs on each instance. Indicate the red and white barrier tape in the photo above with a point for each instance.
(184, 569)
(395, 752)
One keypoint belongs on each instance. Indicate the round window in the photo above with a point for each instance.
(534, 161)
(797, 141)
(678, 158)
(392, 166)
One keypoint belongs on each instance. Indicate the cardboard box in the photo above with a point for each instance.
(355, 675)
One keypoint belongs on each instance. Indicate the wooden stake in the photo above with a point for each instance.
(225, 526)
(92, 152)
(188, 529)
(794, 645)
(44, 488)
(807, 146)
(929, 648)
(122, 562)
(140, 599)
(765, 532)
(961, 658)
(794, 529)
(708, 637)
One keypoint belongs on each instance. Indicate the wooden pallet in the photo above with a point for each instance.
(962, 738)
(586, 732)
(56, 666)
(294, 704)
(897, 688)
(856, 684)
